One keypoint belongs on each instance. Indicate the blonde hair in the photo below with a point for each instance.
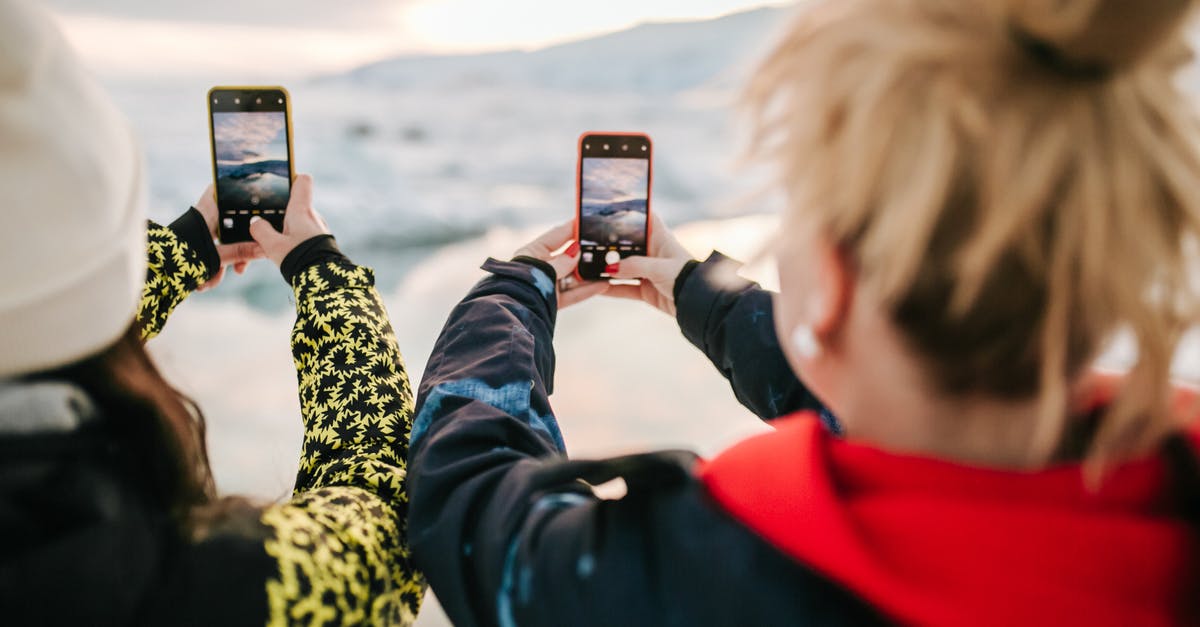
(1019, 180)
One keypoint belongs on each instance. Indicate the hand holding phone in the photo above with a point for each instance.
(560, 239)
(238, 255)
(251, 137)
(657, 272)
(613, 201)
(301, 224)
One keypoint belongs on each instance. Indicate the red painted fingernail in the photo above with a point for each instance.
(612, 268)
(573, 249)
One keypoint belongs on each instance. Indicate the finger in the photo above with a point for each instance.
(582, 293)
(546, 243)
(301, 197)
(638, 267)
(565, 263)
(632, 292)
(239, 253)
(207, 199)
(207, 206)
(264, 233)
(214, 281)
(240, 267)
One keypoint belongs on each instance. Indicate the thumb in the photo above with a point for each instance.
(565, 263)
(638, 267)
(240, 252)
(264, 233)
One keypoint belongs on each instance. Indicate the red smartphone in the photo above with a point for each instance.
(613, 201)
(251, 136)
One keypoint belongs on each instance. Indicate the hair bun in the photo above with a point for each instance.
(1092, 39)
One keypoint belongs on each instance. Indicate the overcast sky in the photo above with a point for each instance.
(614, 180)
(250, 136)
(149, 37)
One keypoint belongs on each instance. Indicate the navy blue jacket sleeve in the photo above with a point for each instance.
(732, 321)
(509, 532)
(502, 524)
(482, 430)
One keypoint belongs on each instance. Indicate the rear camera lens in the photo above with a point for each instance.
(625, 147)
(644, 148)
(281, 101)
(606, 146)
(258, 101)
(237, 101)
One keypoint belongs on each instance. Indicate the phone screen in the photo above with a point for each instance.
(251, 147)
(614, 201)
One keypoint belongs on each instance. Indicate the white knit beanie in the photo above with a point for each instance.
(72, 202)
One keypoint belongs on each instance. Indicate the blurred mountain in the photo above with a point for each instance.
(650, 58)
(242, 170)
(637, 205)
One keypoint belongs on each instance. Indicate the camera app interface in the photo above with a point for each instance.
(613, 202)
(250, 148)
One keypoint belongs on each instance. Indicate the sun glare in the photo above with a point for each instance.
(124, 43)
(475, 25)
(134, 47)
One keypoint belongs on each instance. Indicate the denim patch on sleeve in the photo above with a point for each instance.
(511, 398)
(544, 283)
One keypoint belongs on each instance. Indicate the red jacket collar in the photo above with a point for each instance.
(935, 543)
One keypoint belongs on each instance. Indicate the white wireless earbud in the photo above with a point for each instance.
(804, 339)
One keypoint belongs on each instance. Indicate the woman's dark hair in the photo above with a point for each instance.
(153, 420)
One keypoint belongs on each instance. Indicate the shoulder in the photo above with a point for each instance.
(667, 553)
(342, 545)
(218, 577)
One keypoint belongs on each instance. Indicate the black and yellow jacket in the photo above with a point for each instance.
(81, 548)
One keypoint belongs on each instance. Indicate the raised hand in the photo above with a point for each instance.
(569, 290)
(657, 271)
(300, 223)
(238, 255)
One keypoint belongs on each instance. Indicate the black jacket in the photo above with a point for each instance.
(508, 535)
(509, 532)
(86, 545)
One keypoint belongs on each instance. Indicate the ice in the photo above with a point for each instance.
(655, 58)
(416, 151)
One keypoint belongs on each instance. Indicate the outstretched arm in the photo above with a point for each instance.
(483, 426)
(505, 528)
(732, 321)
(727, 317)
(341, 542)
(179, 259)
(182, 258)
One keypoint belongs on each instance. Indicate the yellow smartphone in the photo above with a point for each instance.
(250, 129)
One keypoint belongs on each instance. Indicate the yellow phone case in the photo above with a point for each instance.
(212, 143)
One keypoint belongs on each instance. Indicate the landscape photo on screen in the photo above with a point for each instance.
(613, 204)
(252, 160)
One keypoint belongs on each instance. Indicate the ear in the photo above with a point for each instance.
(834, 282)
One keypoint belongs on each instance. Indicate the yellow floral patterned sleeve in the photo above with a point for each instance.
(174, 270)
(341, 542)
